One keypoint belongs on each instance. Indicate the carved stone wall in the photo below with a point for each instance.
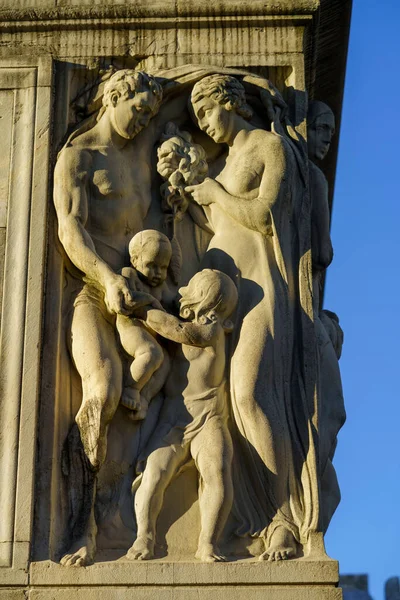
(55, 60)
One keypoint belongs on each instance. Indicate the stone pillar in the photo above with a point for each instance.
(56, 59)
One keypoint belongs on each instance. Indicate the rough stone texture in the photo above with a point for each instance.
(175, 580)
(77, 42)
(12, 594)
(210, 592)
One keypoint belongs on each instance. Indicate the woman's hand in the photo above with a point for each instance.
(204, 193)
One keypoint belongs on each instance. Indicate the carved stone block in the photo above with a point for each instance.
(170, 389)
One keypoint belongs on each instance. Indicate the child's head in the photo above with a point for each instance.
(150, 252)
(180, 161)
(209, 291)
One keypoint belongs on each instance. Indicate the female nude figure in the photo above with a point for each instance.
(251, 206)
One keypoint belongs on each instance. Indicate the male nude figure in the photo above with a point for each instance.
(101, 195)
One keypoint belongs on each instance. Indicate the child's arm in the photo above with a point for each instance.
(139, 297)
(191, 334)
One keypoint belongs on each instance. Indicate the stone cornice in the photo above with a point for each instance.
(143, 9)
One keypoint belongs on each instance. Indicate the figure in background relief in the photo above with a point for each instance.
(253, 207)
(150, 253)
(181, 162)
(193, 420)
(101, 195)
(320, 129)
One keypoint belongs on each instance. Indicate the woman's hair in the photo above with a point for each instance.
(143, 239)
(316, 109)
(129, 82)
(225, 90)
(209, 290)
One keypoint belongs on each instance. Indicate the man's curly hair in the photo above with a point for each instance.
(127, 82)
(225, 90)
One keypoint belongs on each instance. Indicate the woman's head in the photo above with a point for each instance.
(214, 101)
(320, 129)
(209, 291)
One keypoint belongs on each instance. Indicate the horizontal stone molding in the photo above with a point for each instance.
(139, 573)
(170, 8)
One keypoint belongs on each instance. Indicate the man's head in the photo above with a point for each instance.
(208, 291)
(150, 252)
(320, 129)
(214, 102)
(132, 98)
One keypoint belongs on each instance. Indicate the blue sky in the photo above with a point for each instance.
(363, 288)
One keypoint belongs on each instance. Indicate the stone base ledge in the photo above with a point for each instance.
(249, 572)
(248, 579)
(195, 592)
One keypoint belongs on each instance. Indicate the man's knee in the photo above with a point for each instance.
(105, 390)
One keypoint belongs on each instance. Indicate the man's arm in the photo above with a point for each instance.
(70, 199)
(170, 327)
(253, 213)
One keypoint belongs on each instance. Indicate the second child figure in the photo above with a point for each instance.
(194, 419)
(150, 254)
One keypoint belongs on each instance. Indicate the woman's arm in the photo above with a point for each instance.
(253, 213)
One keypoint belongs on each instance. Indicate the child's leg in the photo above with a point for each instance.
(147, 358)
(212, 451)
(161, 466)
(154, 385)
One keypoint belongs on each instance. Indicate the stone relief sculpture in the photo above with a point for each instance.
(320, 129)
(101, 197)
(150, 252)
(181, 163)
(194, 422)
(235, 218)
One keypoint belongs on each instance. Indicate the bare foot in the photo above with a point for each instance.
(130, 398)
(282, 546)
(209, 553)
(141, 550)
(80, 555)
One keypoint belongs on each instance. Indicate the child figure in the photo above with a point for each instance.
(193, 422)
(150, 254)
(181, 162)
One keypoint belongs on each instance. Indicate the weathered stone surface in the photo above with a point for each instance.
(124, 572)
(150, 371)
(12, 594)
(209, 592)
(181, 579)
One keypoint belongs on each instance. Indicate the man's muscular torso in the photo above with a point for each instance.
(117, 186)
